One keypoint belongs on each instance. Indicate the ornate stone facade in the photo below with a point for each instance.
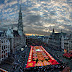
(17, 37)
(4, 47)
(56, 40)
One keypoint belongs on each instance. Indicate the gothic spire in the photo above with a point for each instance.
(20, 8)
(61, 30)
(20, 23)
(53, 30)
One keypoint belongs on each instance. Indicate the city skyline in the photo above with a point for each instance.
(39, 16)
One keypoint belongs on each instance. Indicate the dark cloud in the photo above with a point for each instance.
(46, 0)
(35, 9)
(69, 2)
(51, 21)
(71, 15)
(33, 31)
(68, 27)
(24, 8)
(37, 14)
(33, 18)
(65, 19)
(53, 13)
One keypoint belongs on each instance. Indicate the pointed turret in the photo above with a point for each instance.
(53, 30)
(61, 30)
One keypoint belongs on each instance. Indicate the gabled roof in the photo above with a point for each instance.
(57, 35)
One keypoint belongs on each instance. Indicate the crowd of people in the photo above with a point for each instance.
(22, 57)
(48, 68)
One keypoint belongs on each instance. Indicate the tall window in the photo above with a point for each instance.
(2, 47)
(6, 40)
(2, 56)
(2, 51)
(6, 46)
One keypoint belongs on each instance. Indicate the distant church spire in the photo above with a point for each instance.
(53, 30)
(61, 30)
(20, 23)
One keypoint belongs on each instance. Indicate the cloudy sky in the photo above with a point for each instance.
(39, 16)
